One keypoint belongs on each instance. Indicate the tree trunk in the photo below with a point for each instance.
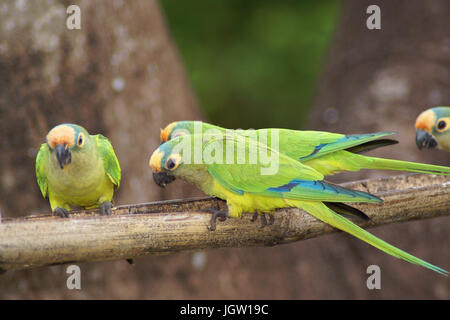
(120, 75)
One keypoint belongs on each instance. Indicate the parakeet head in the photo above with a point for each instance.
(164, 162)
(171, 131)
(179, 128)
(67, 139)
(433, 128)
(175, 159)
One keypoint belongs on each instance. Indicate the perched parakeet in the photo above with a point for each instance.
(255, 187)
(326, 152)
(74, 168)
(433, 128)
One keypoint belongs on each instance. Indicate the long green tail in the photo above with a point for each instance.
(389, 164)
(343, 160)
(323, 213)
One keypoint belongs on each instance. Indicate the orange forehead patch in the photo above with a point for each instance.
(155, 160)
(165, 133)
(425, 120)
(60, 135)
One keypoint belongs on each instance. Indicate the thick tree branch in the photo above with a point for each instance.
(181, 225)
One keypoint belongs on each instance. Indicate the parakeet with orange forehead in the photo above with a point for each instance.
(222, 165)
(328, 153)
(433, 128)
(76, 169)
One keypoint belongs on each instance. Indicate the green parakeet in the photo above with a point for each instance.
(74, 168)
(261, 185)
(433, 128)
(327, 152)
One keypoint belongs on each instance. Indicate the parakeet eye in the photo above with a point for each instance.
(441, 125)
(80, 141)
(173, 162)
(170, 164)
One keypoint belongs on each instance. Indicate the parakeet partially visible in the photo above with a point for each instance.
(433, 128)
(74, 168)
(329, 153)
(246, 188)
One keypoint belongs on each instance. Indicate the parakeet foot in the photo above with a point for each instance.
(263, 219)
(222, 215)
(105, 208)
(63, 213)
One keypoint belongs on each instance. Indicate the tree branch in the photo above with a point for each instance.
(181, 225)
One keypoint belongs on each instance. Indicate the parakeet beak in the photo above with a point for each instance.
(425, 140)
(63, 155)
(162, 178)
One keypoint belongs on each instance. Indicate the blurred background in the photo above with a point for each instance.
(253, 63)
(136, 66)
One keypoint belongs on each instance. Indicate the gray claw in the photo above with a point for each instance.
(105, 208)
(271, 219)
(263, 219)
(222, 215)
(63, 213)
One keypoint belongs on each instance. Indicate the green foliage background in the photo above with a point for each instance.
(253, 63)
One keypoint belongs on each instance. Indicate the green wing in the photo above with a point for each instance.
(307, 145)
(110, 161)
(41, 174)
(321, 143)
(294, 143)
(326, 152)
(302, 145)
(291, 179)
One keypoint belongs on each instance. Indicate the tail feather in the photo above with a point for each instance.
(390, 164)
(344, 160)
(323, 213)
